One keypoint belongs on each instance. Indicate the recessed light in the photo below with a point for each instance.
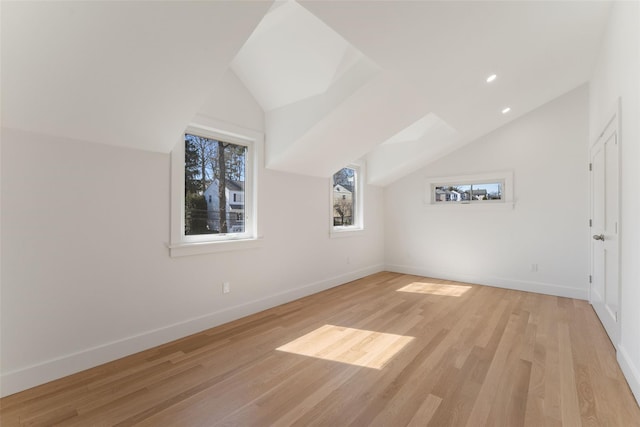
(491, 78)
(506, 110)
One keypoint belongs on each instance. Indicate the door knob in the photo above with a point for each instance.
(598, 237)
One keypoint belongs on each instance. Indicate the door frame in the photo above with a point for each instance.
(612, 124)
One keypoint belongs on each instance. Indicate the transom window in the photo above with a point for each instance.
(494, 188)
(468, 193)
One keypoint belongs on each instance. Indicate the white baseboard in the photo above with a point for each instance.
(31, 376)
(630, 370)
(498, 282)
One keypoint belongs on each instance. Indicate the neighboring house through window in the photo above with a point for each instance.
(495, 188)
(213, 200)
(346, 199)
(232, 212)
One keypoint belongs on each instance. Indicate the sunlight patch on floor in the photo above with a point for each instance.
(369, 349)
(435, 289)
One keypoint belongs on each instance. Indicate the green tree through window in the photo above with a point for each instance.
(215, 173)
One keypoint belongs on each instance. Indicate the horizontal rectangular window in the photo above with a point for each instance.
(468, 193)
(487, 189)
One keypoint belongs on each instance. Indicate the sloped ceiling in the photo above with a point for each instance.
(398, 83)
(290, 56)
(128, 73)
(444, 51)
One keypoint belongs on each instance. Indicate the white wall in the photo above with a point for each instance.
(547, 227)
(231, 102)
(617, 75)
(86, 274)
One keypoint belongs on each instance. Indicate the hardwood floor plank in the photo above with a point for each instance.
(389, 350)
(509, 398)
(425, 412)
(431, 367)
(568, 390)
(492, 382)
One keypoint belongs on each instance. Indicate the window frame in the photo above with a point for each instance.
(183, 245)
(504, 177)
(358, 223)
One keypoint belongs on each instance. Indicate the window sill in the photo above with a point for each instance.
(345, 232)
(200, 248)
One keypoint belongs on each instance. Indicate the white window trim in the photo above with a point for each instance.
(506, 177)
(357, 228)
(182, 245)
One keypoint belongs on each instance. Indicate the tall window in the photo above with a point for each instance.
(212, 191)
(214, 175)
(346, 199)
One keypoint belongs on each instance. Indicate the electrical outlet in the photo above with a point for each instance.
(226, 287)
(534, 267)
(348, 260)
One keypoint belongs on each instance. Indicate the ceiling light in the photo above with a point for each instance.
(491, 78)
(506, 110)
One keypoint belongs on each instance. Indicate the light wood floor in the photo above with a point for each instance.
(386, 350)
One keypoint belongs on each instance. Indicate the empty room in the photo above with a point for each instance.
(346, 213)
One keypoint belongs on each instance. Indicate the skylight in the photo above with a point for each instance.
(292, 55)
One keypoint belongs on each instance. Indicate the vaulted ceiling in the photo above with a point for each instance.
(397, 83)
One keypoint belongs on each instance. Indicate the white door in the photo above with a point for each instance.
(605, 284)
